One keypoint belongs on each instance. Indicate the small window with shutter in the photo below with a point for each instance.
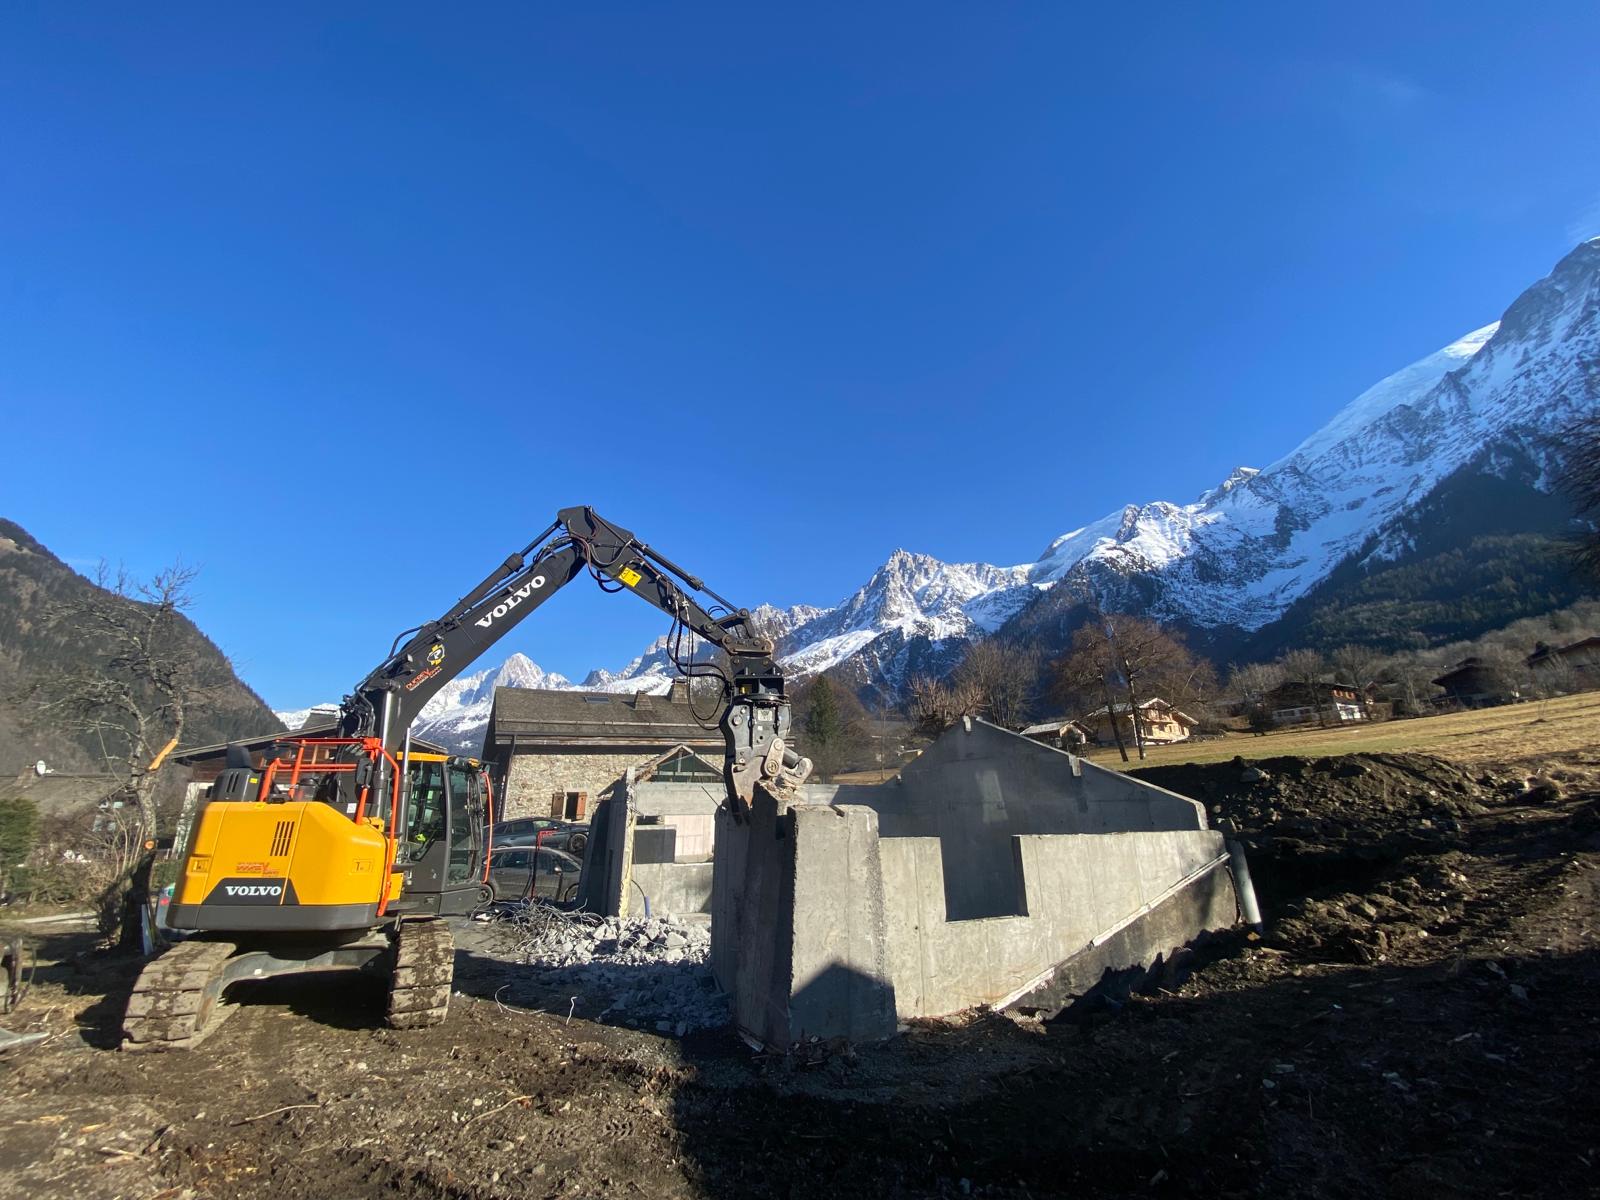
(569, 806)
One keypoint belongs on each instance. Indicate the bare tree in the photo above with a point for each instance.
(934, 705)
(1552, 675)
(134, 698)
(1357, 666)
(1145, 661)
(1409, 676)
(1250, 684)
(1085, 676)
(998, 677)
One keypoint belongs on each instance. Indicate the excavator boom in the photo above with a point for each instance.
(755, 719)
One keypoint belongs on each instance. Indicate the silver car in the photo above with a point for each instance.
(526, 873)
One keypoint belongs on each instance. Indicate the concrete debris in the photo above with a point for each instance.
(13, 1041)
(649, 972)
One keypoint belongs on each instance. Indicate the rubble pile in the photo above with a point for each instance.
(647, 972)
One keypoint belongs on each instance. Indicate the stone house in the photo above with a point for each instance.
(1159, 722)
(557, 753)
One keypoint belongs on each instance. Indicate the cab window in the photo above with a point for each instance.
(463, 843)
(425, 816)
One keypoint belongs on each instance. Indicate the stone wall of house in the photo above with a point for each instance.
(535, 777)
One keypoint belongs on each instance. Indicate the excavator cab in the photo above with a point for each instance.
(442, 846)
(321, 832)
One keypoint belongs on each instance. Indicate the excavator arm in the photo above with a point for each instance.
(755, 717)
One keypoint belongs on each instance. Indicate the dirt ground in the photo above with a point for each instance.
(1422, 1014)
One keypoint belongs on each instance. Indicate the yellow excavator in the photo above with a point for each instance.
(348, 852)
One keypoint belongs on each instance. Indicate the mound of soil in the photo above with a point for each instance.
(1359, 858)
(1361, 807)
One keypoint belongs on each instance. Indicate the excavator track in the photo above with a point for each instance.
(424, 965)
(175, 997)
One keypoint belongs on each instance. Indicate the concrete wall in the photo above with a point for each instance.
(1001, 872)
(979, 786)
(608, 858)
(977, 778)
(797, 925)
(1078, 888)
(615, 885)
(675, 889)
(690, 808)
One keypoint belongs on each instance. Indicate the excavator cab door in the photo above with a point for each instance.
(441, 843)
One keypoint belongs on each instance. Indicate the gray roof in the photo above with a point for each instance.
(1122, 707)
(534, 715)
(1056, 725)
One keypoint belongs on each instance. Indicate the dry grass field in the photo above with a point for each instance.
(1482, 735)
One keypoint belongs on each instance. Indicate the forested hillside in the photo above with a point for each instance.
(1488, 547)
(34, 649)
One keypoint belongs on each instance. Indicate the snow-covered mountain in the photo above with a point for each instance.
(1244, 551)
(295, 718)
(1232, 561)
(456, 716)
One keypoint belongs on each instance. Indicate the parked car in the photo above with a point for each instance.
(526, 872)
(571, 836)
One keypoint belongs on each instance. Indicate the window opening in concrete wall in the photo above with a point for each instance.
(982, 861)
(983, 878)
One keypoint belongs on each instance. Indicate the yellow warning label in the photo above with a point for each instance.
(629, 576)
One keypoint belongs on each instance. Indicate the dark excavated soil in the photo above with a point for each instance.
(1421, 1015)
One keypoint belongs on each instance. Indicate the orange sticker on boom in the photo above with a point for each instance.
(629, 576)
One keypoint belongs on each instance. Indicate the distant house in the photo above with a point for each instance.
(1475, 683)
(1575, 667)
(556, 753)
(1062, 733)
(1159, 723)
(1295, 703)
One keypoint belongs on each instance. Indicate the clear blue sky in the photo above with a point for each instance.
(343, 307)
